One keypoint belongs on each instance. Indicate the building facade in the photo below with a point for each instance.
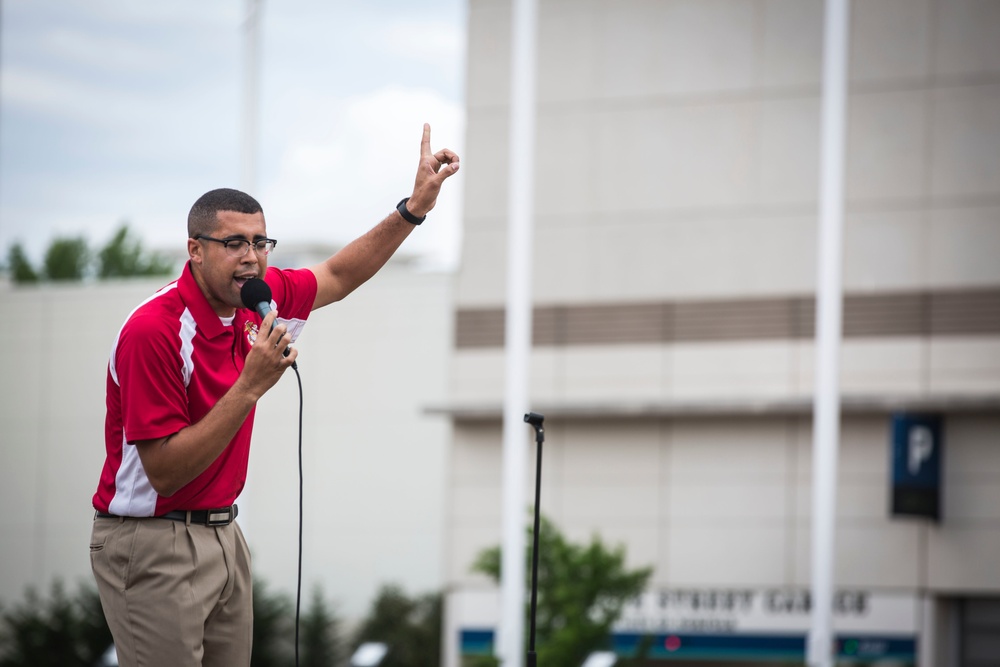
(674, 296)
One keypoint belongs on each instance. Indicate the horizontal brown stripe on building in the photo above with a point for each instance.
(927, 313)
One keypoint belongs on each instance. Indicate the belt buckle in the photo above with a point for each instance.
(222, 516)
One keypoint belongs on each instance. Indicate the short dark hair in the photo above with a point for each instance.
(203, 216)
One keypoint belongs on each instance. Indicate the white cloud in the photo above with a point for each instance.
(175, 13)
(336, 187)
(434, 42)
(61, 95)
(99, 53)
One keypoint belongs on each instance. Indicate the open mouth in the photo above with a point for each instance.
(242, 280)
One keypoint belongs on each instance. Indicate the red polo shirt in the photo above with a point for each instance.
(174, 358)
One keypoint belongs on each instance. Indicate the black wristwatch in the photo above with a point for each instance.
(409, 217)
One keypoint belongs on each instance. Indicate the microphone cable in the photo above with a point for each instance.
(298, 588)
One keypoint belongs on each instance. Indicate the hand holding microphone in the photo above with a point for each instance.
(256, 295)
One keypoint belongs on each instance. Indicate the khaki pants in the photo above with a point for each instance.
(174, 595)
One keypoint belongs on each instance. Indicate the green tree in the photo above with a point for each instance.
(273, 631)
(71, 632)
(21, 270)
(124, 256)
(410, 627)
(56, 632)
(67, 258)
(319, 639)
(582, 590)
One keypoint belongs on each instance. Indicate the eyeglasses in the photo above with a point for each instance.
(239, 247)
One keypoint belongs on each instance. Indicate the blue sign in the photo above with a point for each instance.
(857, 649)
(917, 444)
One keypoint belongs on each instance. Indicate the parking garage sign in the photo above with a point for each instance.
(917, 444)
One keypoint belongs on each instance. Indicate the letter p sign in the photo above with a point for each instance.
(917, 447)
(921, 446)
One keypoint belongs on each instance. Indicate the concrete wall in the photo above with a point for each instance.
(678, 148)
(726, 502)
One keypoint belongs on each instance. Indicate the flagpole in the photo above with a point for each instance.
(520, 211)
(251, 75)
(829, 300)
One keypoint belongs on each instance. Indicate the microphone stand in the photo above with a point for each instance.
(535, 420)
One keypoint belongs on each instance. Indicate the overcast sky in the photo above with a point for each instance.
(115, 110)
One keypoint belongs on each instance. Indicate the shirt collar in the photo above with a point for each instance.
(204, 316)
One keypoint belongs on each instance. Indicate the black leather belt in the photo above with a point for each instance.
(223, 516)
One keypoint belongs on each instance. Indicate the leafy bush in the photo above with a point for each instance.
(410, 627)
(273, 628)
(54, 632)
(64, 631)
(19, 265)
(69, 259)
(123, 256)
(582, 590)
(319, 637)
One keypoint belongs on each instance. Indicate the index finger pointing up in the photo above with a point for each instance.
(425, 143)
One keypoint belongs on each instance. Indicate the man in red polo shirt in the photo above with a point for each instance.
(184, 377)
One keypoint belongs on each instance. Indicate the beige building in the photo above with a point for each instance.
(674, 278)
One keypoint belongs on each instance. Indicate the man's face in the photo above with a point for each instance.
(220, 274)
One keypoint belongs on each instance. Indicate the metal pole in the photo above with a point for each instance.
(826, 406)
(520, 207)
(537, 422)
(251, 73)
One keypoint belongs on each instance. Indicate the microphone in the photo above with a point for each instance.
(534, 418)
(256, 295)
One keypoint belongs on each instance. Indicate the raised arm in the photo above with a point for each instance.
(361, 259)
